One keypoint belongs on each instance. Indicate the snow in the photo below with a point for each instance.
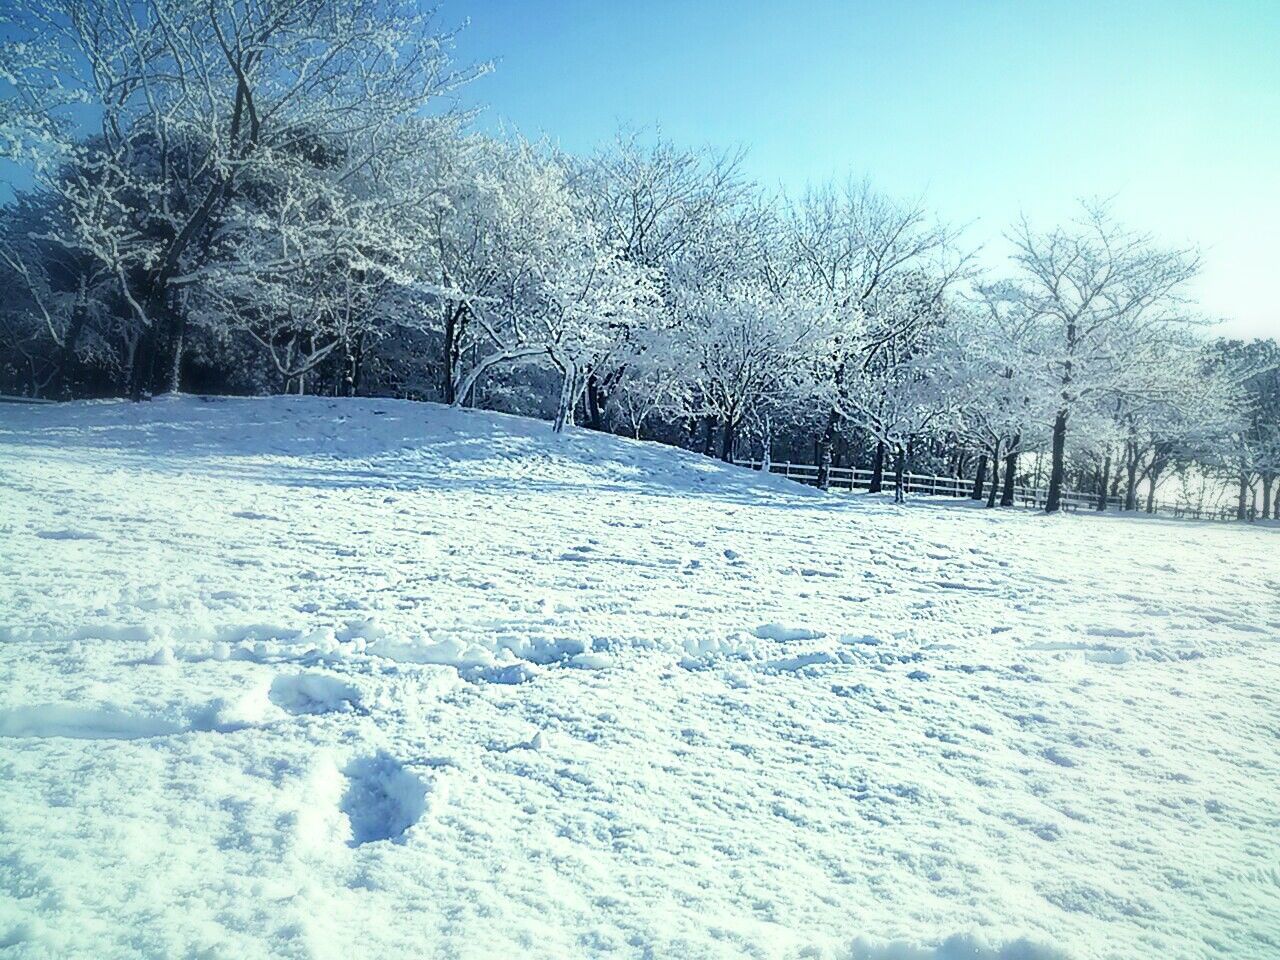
(313, 693)
(778, 631)
(297, 677)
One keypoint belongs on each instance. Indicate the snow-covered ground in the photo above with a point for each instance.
(312, 678)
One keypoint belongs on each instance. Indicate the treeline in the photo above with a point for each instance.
(282, 197)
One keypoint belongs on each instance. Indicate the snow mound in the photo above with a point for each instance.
(313, 693)
(783, 632)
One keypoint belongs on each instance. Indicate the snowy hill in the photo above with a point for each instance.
(296, 677)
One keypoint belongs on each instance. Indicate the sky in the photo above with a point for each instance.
(985, 110)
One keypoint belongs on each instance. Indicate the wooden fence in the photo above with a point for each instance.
(850, 478)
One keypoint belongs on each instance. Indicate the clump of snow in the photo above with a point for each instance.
(701, 649)
(312, 692)
(163, 657)
(784, 632)
(590, 660)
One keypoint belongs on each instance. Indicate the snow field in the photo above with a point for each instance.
(310, 678)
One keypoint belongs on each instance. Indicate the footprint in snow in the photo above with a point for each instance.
(384, 799)
(1054, 755)
(251, 515)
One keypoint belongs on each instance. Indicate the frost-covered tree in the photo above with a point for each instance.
(1104, 298)
(1248, 450)
(548, 287)
(193, 101)
(1177, 409)
(660, 207)
(899, 400)
(486, 210)
(583, 311)
(55, 316)
(982, 363)
(743, 345)
(865, 253)
(649, 387)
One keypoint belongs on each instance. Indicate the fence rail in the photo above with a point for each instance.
(10, 398)
(852, 478)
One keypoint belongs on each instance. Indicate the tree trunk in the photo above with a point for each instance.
(899, 474)
(1131, 478)
(1153, 478)
(349, 369)
(357, 374)
(452, 329)
(568, 400)
(877, 469)
(1244, 492)
(595, 403)
(980, 479)
(825, 445)
(1267, 510)
(1053, 502)
(708, 436)
(175, 371)
(728, 437)
(1105, 479)
(995, 478)
(67, 356)
(1010, 468)
(170, 334)
(144, 361)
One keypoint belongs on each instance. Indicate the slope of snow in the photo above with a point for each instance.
(312, 678)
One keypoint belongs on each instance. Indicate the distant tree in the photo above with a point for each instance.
(1105, 299)
(652, 203)
(742, 346)
(983, 362)
(1249, 449)
(899, 401)
(861, 250)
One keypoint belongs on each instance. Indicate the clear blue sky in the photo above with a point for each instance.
(984, 107)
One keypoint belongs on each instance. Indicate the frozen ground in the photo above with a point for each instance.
(305, 678)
